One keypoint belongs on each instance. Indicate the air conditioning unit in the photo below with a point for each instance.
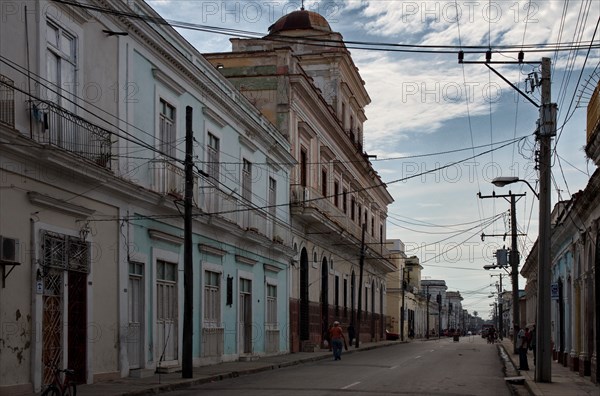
(9, 250)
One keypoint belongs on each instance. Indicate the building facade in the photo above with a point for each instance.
(575, 275)
(316, 98)
(93, 122)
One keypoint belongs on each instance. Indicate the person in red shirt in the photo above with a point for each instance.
(338, 340)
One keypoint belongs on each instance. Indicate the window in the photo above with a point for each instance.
(166, 134)
(336, 193)
(166, 271)
(303, 167)
(61, 64)
(373, 225)
(272, 197)
(212, 157)
(366, 217)
(247, 180)
(359, 217)
(271, 305)
(324, 182)
(212, 299)
(352, 205)
(345, 200)
(343, 115)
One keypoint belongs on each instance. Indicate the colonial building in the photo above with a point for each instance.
(302, 78)
(94, 111)
(575, 276)
(437, 288)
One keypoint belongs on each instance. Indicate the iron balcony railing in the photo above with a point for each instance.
(169, 178)
(64, 129)
(7, 101)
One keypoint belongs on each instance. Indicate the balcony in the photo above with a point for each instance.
(324, 216)
(169, 178)
(227, 206)
(216, 202)
(64, 129)
(7, 102)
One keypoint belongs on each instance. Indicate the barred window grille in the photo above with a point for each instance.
(7, 101)
(65, 252)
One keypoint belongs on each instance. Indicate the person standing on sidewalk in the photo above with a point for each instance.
(522, 345)
(338, 340)
(532, 342)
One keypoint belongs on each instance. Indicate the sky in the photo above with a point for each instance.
(429, 112)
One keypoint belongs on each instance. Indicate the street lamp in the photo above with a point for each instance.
(505, 180)
(514, 253)
(543, 341)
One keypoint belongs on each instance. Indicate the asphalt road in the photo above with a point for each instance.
(444, 367)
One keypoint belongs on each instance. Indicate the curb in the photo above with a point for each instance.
(187, 383)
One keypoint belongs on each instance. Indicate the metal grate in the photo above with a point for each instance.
(67, 130)
(7, 101)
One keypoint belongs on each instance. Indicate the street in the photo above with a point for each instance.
(436, 367)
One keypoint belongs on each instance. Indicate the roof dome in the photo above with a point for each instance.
(300, 20)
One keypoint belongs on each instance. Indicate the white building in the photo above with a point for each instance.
(92, 125)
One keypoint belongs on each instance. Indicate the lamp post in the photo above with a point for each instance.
(543, 371)
(514, 252)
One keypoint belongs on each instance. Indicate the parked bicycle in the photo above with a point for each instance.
(61, 384)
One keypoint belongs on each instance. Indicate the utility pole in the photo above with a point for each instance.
(547, 129)
(402, 313)
(428, 297)
(360, 283)
(500, 303)
(514, 261)
(439, 301)
(500, 307)
(188, 275)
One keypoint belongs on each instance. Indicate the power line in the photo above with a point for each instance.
(363, 45)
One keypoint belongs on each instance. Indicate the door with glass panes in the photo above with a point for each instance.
(166, 311)
(135, 299)
(245, 315)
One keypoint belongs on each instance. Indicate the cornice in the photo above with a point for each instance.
(245, 260)
(162, 236)
(271, 268)
(203, 248)
(168, 81)
(59, 205)
(251, 118)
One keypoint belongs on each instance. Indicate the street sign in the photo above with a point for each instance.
(554, 291)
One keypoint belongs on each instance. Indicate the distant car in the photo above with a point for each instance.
(469, 332)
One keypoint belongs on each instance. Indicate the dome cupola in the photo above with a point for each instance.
(300, 20)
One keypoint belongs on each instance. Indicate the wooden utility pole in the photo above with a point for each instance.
(547, 129)
(514, 261)
(188, 275)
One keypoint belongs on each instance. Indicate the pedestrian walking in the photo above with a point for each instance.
(522, 346)
(338, 340)
(351, 333)
(532, 342)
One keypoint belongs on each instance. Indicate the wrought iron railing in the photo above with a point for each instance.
(169, 178)
(7, 101)
(64, 129)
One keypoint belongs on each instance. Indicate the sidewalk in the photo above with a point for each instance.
(173, 381)
(564, 381)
